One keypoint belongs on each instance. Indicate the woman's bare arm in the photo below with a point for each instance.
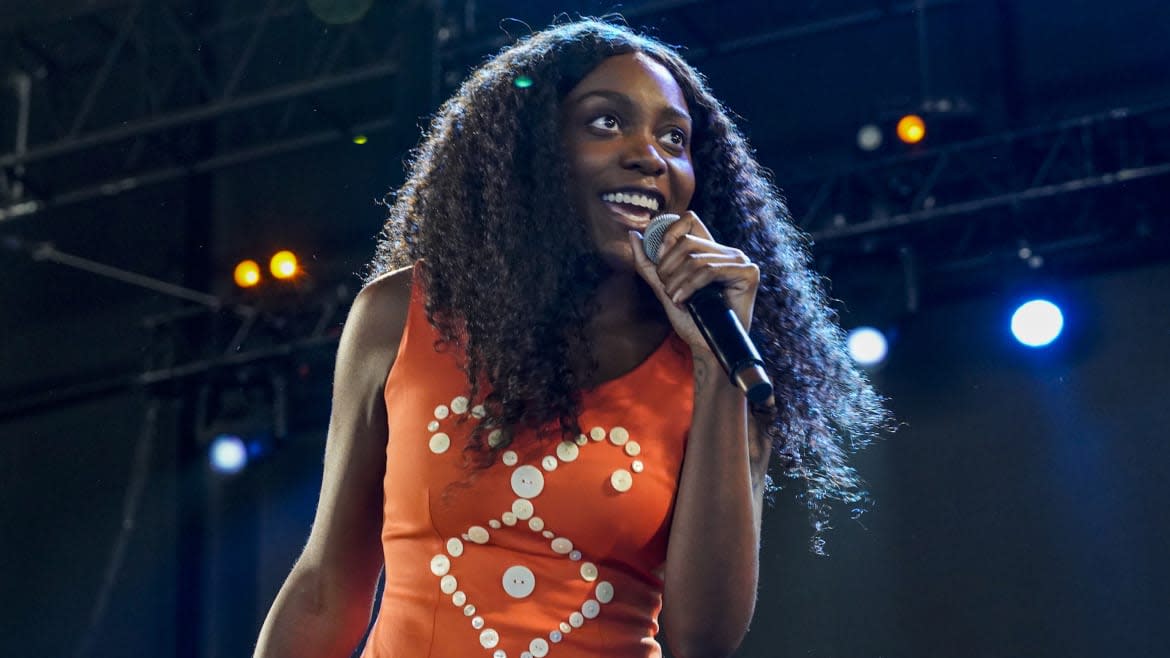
(324, 605)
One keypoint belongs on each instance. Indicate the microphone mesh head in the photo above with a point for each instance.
(652, 239)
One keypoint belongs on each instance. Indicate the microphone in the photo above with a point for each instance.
(719, 325)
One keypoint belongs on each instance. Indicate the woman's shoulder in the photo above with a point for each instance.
(389, 287)
(378, 317)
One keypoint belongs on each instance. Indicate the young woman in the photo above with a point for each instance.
(529, 434)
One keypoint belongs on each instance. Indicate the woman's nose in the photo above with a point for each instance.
(642, 154)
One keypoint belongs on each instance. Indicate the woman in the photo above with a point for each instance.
(525, 413)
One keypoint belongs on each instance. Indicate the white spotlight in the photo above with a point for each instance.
(228, 454)
(1037, 323)
(867, 346)
(869, 137)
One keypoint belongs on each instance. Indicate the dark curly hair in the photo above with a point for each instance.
(511, 271)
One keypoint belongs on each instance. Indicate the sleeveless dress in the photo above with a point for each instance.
(554, 550)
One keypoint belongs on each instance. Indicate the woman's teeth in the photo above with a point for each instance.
(640, 200)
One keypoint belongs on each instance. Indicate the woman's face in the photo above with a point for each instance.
(626, 129)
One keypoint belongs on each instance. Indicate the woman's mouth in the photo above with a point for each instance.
(631, 209)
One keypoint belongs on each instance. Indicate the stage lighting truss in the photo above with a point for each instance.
(1072, 186)
(242, 415)
(151, 91)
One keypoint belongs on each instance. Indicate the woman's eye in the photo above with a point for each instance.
(605, 122)
(675, 137)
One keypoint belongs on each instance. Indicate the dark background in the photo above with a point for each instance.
(1018, 511)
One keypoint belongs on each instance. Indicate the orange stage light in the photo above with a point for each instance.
(283, 265)
(911, 129)
(247, 273)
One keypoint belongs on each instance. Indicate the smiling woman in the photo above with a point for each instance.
(626, 130)
(529, 434)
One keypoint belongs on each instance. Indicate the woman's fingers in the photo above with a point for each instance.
(688, 225)
(705, 269)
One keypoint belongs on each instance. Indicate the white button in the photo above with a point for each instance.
(454, 547)
(590, 609)
(562, 546)
(510, 458)
(548, 534)
(495, 524)
(499, 654)
(565, 628)
(525, 654)
(582, 439)
(567, 451)
(538, 647)
(522, 509)
(489, 638)
(469, 610)
(432, 426)
(621, 480)
(589, 571)
(618, 436)
(604, 591)
(494, 438)
(527, 481)
(448, 584)
(439, 443)
(555, 636)
(478, 411)
(459, 598)
(440, 565)
(477, 622)
(575, 555)
(536, 523)
(508, 518)
(519, 581)
(442, 411)
(597, 433)
(459, 404)
(577, 620)
(632, 448)
(637, 466)
(549, 463)
(478, 534)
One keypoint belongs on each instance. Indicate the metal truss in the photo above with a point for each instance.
(149, 75)
(135, 90)
(1080, 186)
(277, 333)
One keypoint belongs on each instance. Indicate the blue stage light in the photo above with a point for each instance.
(228, 454)
(1037, 323)
(867, 346)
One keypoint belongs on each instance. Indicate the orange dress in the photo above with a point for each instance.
(554, 550)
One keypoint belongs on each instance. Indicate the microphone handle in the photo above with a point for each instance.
(728, 340)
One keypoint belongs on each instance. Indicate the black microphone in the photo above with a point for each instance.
(718, 324)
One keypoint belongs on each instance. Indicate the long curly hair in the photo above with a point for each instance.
(511, 270)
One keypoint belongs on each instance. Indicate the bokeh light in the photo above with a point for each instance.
(247, 273)
(911, 129)
(1037, 323)
(284, 264)
(228, 454)
(867, 346)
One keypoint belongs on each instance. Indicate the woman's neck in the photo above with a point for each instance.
(624, 302)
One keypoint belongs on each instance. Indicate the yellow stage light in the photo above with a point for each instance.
(247, 273)
(911, 129)
(284, 265)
